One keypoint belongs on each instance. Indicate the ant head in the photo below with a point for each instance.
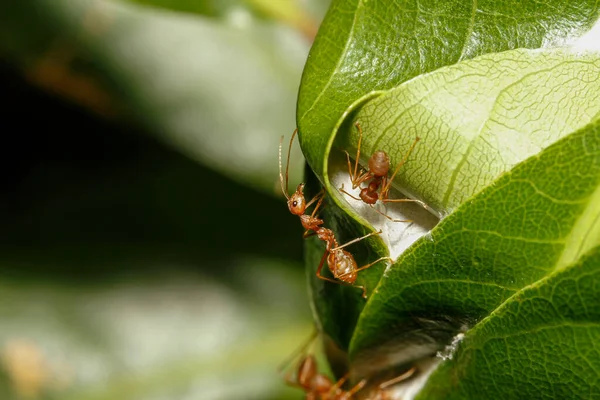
(379, 163)
(297, 202)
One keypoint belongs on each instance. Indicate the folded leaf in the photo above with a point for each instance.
(543, 343)
(537, 219)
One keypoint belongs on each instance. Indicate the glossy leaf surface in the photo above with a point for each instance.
(535, 220)
(542, 343)
(201, 84)
(364, 46)
(485, 86)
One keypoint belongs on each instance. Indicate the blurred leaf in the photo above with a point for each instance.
(535, 220)
(118, 279)
(160, 335)
(222, 93)
(211, 8)
(542, 343)
(291, 12)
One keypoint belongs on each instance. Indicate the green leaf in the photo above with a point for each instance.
(133, 284)
(537, 219)
(365, 46)
(477, 119)
(372, 61)
(542, 343)
(221, 92)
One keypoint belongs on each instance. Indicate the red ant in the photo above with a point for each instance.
(379, 166)
(319, 387)
(341, 263)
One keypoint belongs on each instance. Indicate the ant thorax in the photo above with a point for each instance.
(310, 223)
(369, 194)
(342, 265)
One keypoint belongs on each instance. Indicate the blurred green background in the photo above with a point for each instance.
(147, 252)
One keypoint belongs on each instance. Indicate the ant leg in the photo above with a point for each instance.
(321, 267)
(308, 233)
(355, 177)
(364, 289)
(388, 217)
(360, 135)
(356, 388)
(405, 201)
(300, 350)
(321, 196)
(338, 384)
(386, 188)
(356, 240)
(406, 375)
(352, 175)
(375, 262)
(348, 194)
(318, 196)
(364, 177)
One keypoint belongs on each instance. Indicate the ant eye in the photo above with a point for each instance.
(295, 203)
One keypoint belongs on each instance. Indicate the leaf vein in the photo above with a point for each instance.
(469, 32)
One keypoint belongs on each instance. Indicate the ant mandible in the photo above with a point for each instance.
(376, 176)
(340, 262)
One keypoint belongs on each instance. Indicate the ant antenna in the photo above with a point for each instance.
(360, 135)
(284, 189)
(400, 164)
(299, 350)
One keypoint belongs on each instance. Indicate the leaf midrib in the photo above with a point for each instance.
(587, 226)
(469, 31)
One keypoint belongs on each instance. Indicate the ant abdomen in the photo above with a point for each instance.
(379, 163)
(344, 266)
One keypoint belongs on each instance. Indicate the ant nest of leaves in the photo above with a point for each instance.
(398, 236)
